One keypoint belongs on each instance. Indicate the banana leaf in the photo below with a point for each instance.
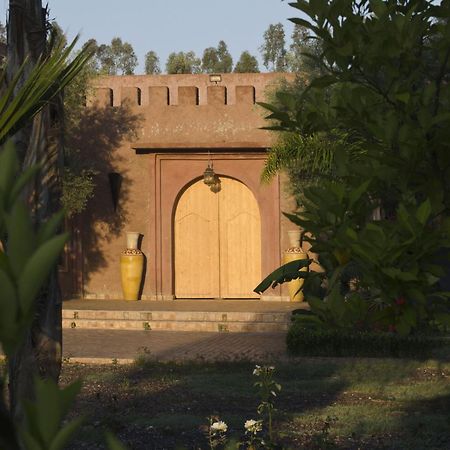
(285, 273)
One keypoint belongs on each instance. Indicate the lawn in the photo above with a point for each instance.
(324, 403)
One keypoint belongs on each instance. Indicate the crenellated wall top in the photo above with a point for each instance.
(185, 89)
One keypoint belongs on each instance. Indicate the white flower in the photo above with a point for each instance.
(253, 426)
(219, 427)
(257, 371)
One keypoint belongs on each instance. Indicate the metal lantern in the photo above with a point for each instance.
(209, 177)
(216, 186)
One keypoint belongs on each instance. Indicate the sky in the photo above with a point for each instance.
(165, 26)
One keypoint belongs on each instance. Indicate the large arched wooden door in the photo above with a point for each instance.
(217, 242)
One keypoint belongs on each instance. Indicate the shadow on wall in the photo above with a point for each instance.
(97, 138)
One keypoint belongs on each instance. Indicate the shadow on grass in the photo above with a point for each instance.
(324, 403)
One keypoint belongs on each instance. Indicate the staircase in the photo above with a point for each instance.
(257, 317)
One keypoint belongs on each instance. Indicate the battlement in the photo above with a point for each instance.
(159, 91)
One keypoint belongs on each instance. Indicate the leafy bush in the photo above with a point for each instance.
(306, 341)
(379, 224)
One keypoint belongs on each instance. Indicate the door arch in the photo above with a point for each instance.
(217, 240)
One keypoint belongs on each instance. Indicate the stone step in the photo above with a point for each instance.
(177, 320)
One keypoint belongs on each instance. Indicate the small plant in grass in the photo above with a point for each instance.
(268, 390)
(216, 433)
(252, 436)
(322, 440)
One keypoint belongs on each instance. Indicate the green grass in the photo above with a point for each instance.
(324, 402)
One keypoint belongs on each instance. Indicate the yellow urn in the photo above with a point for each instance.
(294, 253)
(131, 268)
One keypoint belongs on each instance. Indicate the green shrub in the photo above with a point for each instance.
(307, 341)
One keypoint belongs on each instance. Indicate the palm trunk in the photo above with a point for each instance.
(40, 352)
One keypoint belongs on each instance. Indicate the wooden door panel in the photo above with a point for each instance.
(240, 240)
(197, 244)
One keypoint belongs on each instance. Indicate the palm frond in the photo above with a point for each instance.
(46, 79)
(306, 155)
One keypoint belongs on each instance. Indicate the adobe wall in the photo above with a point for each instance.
(177, 119)
(192, 111)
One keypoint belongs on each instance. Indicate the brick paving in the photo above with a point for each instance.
(104, 346)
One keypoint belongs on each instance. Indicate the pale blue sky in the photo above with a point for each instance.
(172, 25)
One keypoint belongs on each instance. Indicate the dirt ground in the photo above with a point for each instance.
(166, 406)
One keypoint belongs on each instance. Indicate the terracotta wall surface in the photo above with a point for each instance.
(226, 114)
(158, 147)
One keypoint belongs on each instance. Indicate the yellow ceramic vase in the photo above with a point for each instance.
(294, 253)
(131, 267)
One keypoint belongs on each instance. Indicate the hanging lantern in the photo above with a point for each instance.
(216, 186)
(209, 177)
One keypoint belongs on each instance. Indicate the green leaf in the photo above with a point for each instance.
(356, 193)
(285, 273)
(443, 318)
(294, 219)
(46, 79)
(20, 237)
(269, 107)
(4, 263)
(66, 434)
(7, 291)
(46, 413)
(68, 395)
(8, 312)
(403, 97)
(30, 442)
(38, 268)
(286, 99)
(9, 166)
(323, 82)
(47, 410)
(113, 443)
(404, 219)
(21, 182)
(424, 211)
(49, 228)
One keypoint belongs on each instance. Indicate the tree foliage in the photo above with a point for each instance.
(2, 33)
(273, 50)
(304, 52)
(217, 60)
(182, 62)
(247, 63)
(152, 63)
(225, 64)
(210, 60)
(117, 58)
(381, 226)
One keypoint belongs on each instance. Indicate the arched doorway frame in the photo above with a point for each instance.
(218, 253)
(173, 173)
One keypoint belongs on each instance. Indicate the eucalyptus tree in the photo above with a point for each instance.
(217, 59)
(182, 62)
(152, 63)
(273, 50)
(247, 63)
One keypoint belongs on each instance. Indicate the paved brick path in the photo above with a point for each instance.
(125, 346)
